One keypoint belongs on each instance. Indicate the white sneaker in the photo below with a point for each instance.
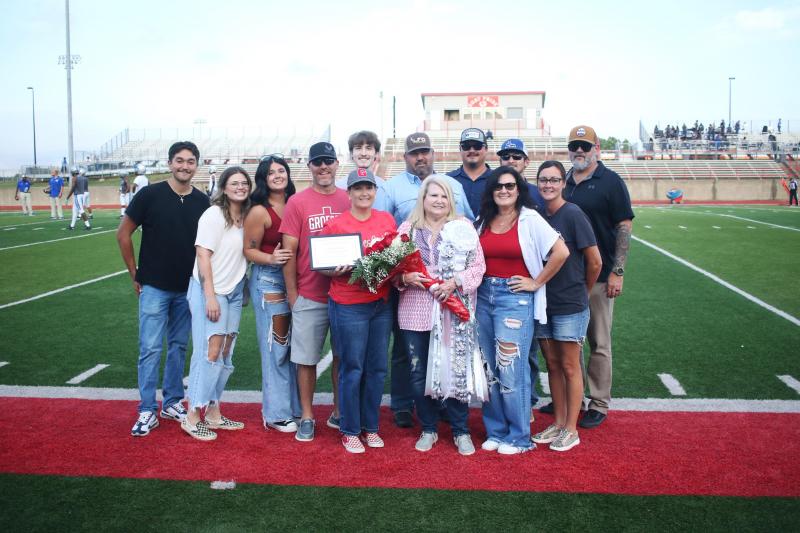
(507, 449)
(426, 441)
(147, 420)
(490, 445)
(284, 426)
(175, 412)
(464, 444)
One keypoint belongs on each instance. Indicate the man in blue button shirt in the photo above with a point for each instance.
(473, 172)
(55, 191)
(23, 195)
(399, 198)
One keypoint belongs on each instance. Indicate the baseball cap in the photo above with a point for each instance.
(360, 175)
(512, 145)
(473, 134)
(417, 141)
(321, 149)
(583, 133)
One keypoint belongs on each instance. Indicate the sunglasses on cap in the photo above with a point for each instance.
(471, 145)
(272, 156)
(586, 146)
(515, 157)
(510, 186)
(323, 161)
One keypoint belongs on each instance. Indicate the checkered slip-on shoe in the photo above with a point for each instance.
(147, 420)
(200, 432)
(352, 444)
(225, 423)
(373, 440)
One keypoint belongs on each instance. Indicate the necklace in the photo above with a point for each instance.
(501, 225)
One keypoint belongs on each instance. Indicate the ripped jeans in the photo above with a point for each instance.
(279, 397)
(207, 379)
(505, 331)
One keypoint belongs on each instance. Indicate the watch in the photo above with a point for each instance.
(619, 271)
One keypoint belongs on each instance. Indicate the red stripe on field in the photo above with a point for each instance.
(731, 454)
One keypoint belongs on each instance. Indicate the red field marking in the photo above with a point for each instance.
(731, 454)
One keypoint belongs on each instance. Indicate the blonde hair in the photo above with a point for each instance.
(417, 216)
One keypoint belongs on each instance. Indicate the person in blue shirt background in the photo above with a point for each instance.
(473, 171)
(23, 195)
(54, 192)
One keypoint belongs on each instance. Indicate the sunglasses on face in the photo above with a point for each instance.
(323, 161)
(515, 157)
(510, 186)
(471, 145)
(545, 181)
(583, 145)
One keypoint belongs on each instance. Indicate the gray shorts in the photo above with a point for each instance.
(309, 328)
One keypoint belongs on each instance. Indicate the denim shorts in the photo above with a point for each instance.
(564, 328)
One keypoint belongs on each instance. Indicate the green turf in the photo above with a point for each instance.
(50, 503)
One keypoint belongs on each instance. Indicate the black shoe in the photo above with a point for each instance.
(592, 419)
(403, 419)
(547, 409)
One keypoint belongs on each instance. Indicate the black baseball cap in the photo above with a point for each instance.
(321, 150)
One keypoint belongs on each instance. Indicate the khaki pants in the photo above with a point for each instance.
(55, 207)
(25, 202)
(599, 336)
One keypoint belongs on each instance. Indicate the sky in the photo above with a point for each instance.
(302, 65)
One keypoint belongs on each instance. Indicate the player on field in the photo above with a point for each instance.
(78, 186)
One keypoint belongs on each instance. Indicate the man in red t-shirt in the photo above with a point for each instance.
(307, 290)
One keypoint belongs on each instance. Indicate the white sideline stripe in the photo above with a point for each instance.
(10, 229)
(783, 314)
(683, 227)
(673, 385)
(323, 365)
(3, 363)
(83, 376)
(698, 405)
(790, 382)
(33, 223)
(760, 222)
(544, 379)
(37, 229)
(56, 240)
(716, 227)
(62, 289)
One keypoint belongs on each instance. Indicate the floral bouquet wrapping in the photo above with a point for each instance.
(394, 254)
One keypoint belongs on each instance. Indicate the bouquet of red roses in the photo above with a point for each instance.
(395, 254)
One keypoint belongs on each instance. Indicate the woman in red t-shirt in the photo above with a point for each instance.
(262, 246)
(361, 321)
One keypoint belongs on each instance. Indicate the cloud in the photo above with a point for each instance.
(778, 21)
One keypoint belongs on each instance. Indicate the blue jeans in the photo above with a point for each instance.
(207, 379)
(533, 360)
(362, 340)
(505, 317)
(401, 395)
(279, 396)
(416, 345)
(162, 313)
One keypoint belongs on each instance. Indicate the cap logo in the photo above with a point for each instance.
(328, 146)
(471, 135)
(362, 172)
(417, 140)
(580, 132)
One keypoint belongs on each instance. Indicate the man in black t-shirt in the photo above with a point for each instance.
(168, 213)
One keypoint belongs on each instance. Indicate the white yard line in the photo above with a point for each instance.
(783, 314)
(323, 365)
(57, 240)
(32, 223)
(790, 228)
(83, 376)
(37, 229)
(544, 380)
(673, 385)
(62, 289)
(790, 382)
(700, 405)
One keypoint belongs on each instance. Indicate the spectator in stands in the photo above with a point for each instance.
(793, 191)
(515, 240)
(779, 126)
(401, 194)
(168, 213)
(55, 191)
(360, 320)
(489, 135)
(280, 403)
(603, 196)
(737, 127)
(307, 290)
(562, 336)
(216, 293)
(473, 171)
(23, 195)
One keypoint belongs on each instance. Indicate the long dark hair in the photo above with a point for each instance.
(260, 195)
(488, 209)
(221, 199)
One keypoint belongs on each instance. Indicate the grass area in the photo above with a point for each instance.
(50, 503)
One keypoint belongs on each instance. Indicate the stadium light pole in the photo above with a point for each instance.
(730, 85)
(68, 60)
(33, 114)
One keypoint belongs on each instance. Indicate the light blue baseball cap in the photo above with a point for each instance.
(515, 145)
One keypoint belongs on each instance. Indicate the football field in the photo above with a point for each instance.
(703, 432)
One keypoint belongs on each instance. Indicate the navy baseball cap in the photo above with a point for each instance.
(320, 150)
(513, 145)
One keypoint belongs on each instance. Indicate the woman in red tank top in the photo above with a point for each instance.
(262, 246)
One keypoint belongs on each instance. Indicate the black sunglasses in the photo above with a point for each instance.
(510, 186)
(471, 145)
(583, 145)
(515, 157)
(323, 161)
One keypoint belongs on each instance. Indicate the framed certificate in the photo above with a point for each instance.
(329, 251)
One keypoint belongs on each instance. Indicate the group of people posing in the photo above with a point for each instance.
(537, 266)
